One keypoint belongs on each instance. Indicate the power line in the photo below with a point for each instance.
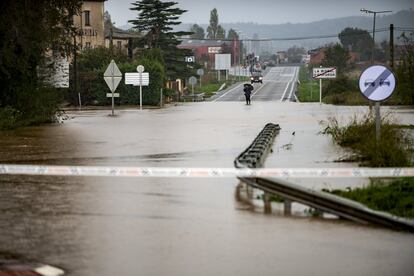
(301, 37)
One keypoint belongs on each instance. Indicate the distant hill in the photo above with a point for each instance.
(403, 18)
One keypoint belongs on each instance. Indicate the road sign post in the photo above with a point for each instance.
(138, 79)
(323, 73)
(320, 91)
(140, 70)
(200, 72)
(112, 77)
(192, 80)
(377, 83)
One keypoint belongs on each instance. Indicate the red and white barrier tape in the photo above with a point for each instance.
(203, 172)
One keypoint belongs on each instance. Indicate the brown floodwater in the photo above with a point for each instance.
(163, 226)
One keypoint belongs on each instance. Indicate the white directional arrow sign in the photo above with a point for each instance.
(112, 76)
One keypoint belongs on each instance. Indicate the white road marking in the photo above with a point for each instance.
(258, 89)
(284, 92)
(227, 92)
(293, 80)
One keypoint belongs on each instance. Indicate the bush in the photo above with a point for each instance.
(359, 135)
(346, 98)
(34, 106)
(99, 57)
(93, 87)
(340, 85)
(9, 117)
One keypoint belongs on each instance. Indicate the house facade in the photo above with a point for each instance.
(90, 23)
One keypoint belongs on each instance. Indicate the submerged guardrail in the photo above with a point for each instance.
(254, 156)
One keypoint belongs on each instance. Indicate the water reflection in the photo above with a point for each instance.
(125, 226)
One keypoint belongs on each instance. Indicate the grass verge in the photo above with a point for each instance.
(395, 197)
(308, 90)
(393, 150)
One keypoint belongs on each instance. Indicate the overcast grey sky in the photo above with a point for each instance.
(263, 11)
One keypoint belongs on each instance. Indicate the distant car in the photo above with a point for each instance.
(256, 77)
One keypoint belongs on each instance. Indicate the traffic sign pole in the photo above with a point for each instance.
(377, 121)
(113, 101)
(112, 77)
(323, 73)
(140, 90)
(200, 72)
(320, 91)
(192, 85)
(140, 69)
(377, 83)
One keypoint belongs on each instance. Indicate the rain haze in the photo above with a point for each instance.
(263, 11)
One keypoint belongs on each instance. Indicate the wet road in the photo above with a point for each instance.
(278, 85)
(120, 226)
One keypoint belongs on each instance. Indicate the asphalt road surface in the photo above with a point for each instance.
(278, 85)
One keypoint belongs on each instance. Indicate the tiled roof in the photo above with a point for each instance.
(118, 33)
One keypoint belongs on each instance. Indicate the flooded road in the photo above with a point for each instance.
(120, 226)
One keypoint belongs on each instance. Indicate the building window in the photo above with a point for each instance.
(119, 45)
(87, 18)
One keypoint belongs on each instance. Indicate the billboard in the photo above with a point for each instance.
(222, 61)
(55, 71)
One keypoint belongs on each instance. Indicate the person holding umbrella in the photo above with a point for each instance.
(248, 88)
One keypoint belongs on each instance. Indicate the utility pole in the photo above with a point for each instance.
(392, 46)
(377, 104)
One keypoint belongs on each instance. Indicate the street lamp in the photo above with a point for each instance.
(373, 29)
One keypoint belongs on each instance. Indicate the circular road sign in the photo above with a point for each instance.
(140, 68)
(200, 72)
(377, 83)
(192, 80)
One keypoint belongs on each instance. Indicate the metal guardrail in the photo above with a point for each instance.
(325, 202)
(195, 98)
(254, 157)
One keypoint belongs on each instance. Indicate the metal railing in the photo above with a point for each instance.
(254, 157)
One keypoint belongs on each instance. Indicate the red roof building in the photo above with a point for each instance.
(204, 50)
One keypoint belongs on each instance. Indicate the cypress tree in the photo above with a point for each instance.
(156, 20)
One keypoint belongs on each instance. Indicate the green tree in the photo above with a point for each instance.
(405, 70)
(357, 40)
(295, 53)
(29, 31)
(221, 33)
(156, 20)
(214, 30)
(336, 56)
(232, 34)
(197, 32)
(108, 20)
